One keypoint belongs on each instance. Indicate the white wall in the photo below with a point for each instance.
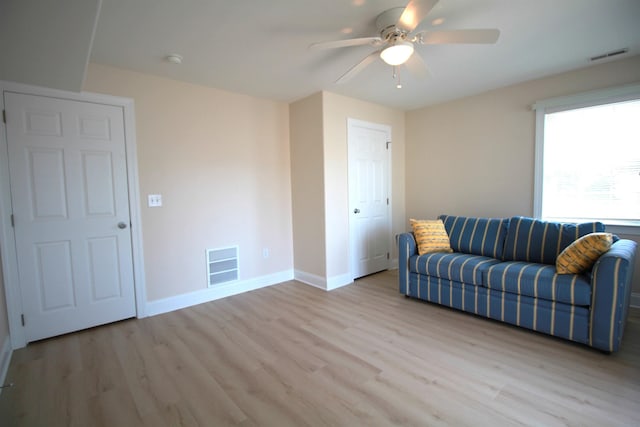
(475, 156)
(221, 163)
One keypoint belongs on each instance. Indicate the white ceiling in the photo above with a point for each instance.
(260, 47)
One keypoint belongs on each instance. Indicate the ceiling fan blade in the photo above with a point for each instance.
(488, 36)
(374, 41)
(358, 67)
(414, 13)
(417, 66)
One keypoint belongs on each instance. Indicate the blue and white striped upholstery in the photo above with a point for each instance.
(459, 267)
(553, 318)
(611, 291)
(589, 309)
(478, 236)
(539, 281)
(533, 240)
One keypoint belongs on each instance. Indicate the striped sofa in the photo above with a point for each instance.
(504, 269)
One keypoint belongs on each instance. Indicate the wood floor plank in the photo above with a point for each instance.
(294, 355)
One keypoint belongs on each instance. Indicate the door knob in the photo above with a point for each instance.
(122, 225)
(356, 210)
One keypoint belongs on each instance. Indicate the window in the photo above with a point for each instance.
(588, 157)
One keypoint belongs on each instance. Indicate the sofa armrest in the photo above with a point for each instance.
(406, 249)
(611, 294)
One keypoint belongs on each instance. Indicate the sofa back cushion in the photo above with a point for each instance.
(533, 240)
(477, 236)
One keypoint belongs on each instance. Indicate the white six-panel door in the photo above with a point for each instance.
(368, 197)
(70, 201)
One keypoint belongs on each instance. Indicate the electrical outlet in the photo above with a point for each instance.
(155, 200)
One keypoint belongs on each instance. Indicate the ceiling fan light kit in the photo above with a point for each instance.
(397, 54)
(397, 38)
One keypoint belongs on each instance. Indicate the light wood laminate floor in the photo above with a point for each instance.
(293, 355)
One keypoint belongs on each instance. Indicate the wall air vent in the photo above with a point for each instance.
(609, 54)
(222, 265)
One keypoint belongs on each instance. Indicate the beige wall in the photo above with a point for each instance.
(336, 110)
(307, 185)
(320, 182)
(221, 162)
(475, 156)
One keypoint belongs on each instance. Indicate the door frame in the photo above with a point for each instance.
(7, 232)
(353, 123)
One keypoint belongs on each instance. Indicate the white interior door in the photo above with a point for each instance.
(369, 197)
(68, 173)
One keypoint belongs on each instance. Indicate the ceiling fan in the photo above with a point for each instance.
(396, 39)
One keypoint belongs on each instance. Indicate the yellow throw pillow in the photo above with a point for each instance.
(431, 236)
(580, 256)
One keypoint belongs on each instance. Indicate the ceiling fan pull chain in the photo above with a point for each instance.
(396, 76)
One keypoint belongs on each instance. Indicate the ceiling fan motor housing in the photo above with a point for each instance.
(386, 23)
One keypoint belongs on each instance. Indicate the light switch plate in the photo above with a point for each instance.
(155, 200)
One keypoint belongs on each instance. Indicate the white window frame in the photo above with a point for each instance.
(571, 102)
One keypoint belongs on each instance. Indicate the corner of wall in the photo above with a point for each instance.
(6, 351)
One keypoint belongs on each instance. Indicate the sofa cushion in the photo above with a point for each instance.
(533, 240)
(478, 236)
(580, 256)
(539, 281)
(458, 267)
(430, 235)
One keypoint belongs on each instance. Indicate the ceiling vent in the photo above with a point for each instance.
(609, 54)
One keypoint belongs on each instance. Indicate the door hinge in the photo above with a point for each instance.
(387, 255)
(387, 200)
(388, 142)
(22, 319)
(13, 221)
(4, 116)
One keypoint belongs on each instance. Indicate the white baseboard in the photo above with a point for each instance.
(336, 282)
(5, 359)
(328, 284)
(635, 300)
(310, 279)
(178, 302)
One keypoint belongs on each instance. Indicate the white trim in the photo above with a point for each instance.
(352, 123)
(310, 279)
(178, 302)
(7, 237)
(336, 282)
(538, 164)
(570, 102)
(319, 282)
(635, 299)
(5, 359)
(135, 216)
